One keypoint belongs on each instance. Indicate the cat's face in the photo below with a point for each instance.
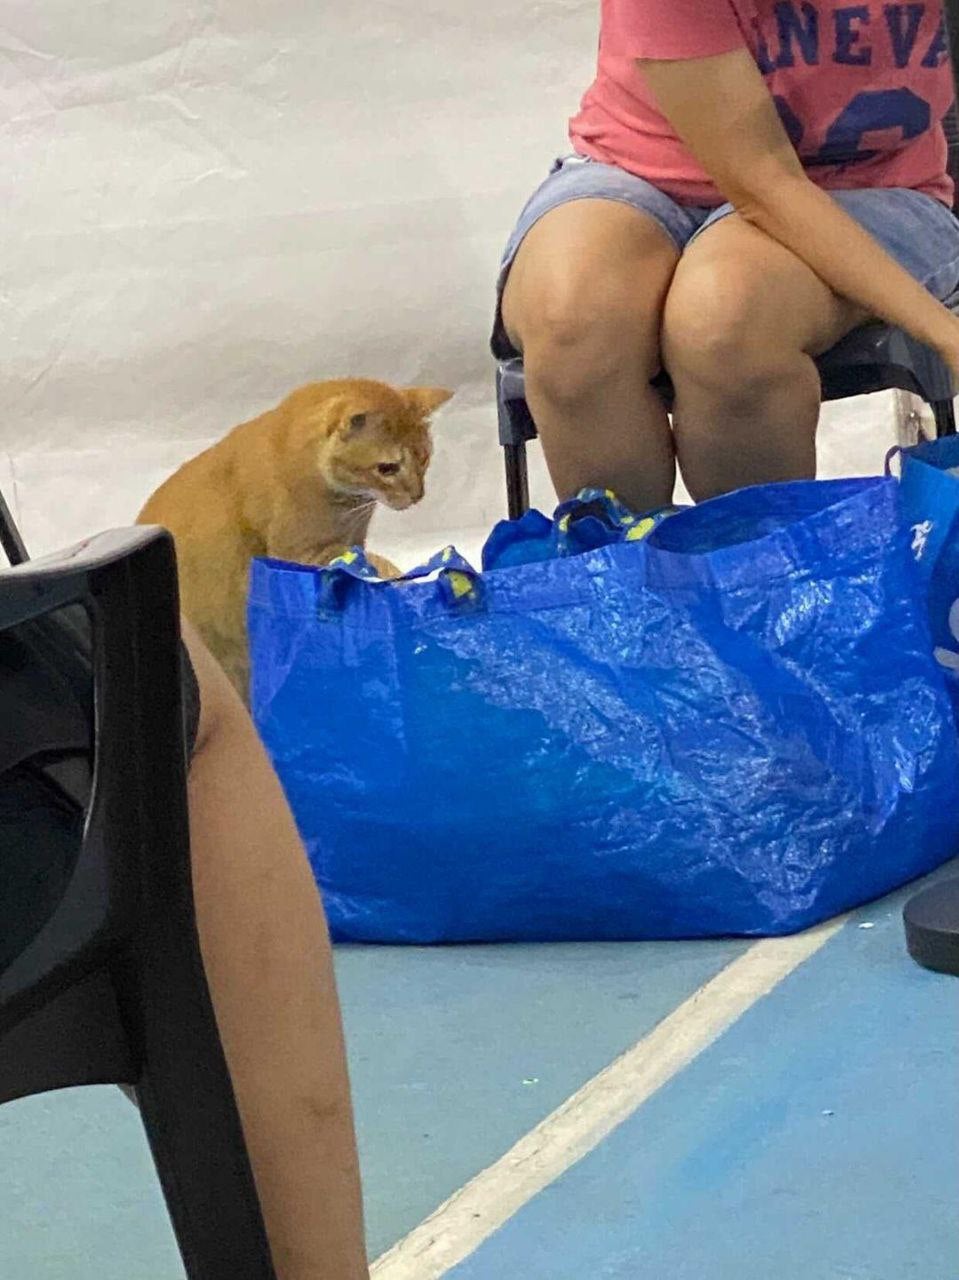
(377, 442)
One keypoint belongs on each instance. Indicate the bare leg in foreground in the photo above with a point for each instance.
(268, 960)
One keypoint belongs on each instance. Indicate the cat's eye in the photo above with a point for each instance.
(389, 468)
(358, 422)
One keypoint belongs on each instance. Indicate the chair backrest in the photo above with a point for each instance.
(109, 986)
(950, 10)
(951, 125)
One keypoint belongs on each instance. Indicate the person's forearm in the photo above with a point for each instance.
(721, 108)
(809, 222)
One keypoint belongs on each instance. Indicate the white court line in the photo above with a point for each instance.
(576, 1128)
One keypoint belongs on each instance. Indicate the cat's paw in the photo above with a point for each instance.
(385, 568)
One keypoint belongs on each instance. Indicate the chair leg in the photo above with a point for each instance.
(182, 1084)
(517, 480)
(187, 1104)
(945, 415)
(182, 1081)
(10, 539)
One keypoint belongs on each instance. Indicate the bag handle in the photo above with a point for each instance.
(574, 518)
(459, 583)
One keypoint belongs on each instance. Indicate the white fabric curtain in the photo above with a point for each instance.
(209, 203)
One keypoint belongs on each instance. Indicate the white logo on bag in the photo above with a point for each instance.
(948, 657)
(920, 536)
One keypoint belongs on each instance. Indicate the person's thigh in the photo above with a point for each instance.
(740, 302)
(743, 322)
(593, 250)
(737, 293)
(590, 277)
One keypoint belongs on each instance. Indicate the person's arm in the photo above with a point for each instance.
(267, 956)
(722, 110)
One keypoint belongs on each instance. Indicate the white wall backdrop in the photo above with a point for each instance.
(208, 203)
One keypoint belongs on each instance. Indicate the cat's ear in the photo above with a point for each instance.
(353, 424)
(426, 400)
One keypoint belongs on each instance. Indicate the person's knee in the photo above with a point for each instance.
(584, 299)
(577, 332)
(719, 332)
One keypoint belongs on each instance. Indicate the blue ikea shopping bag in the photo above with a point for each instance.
(735, 726)
(930, 498)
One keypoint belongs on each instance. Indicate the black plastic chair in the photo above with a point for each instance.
(101, 979)
(873, 358)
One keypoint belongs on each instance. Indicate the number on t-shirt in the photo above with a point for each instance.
(869, 112)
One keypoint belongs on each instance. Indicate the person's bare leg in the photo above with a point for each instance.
(583, 303)
(744, 319)
(268, 962)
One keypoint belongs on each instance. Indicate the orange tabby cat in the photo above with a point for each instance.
(298, 483)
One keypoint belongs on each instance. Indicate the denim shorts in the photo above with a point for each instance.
(920, 232)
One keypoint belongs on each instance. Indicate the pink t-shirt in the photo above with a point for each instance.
(862, 88)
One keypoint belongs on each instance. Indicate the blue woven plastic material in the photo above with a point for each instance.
(734, 726)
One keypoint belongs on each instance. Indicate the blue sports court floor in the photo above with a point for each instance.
(723, 1111)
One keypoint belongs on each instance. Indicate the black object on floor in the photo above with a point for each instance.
(932, 927)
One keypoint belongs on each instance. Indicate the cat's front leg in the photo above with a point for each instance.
(288, 540)
(320, 557)
(385, 568)
(317, 557)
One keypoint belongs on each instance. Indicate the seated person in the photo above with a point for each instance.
(264, 941)
(752, 180)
